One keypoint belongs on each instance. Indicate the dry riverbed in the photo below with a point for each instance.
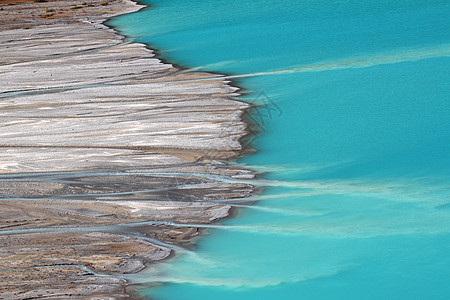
(108, 156)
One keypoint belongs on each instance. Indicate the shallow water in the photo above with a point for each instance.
(353, 146)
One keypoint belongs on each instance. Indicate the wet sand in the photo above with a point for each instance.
(104, 149)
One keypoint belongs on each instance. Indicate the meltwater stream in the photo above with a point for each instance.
(353, 147)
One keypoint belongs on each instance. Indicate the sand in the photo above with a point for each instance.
(98, 140)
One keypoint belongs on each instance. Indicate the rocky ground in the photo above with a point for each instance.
(108, 157)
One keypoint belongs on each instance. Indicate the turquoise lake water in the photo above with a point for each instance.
(354, 147)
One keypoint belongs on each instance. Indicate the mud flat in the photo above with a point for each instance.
(106, 153)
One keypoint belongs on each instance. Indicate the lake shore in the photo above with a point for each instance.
(106, 152)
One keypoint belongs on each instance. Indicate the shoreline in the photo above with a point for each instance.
(102, 176)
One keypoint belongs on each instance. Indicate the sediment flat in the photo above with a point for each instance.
(106, 152)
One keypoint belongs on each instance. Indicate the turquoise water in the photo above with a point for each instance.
(354, 147)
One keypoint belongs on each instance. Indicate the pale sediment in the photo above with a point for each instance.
(96, 133)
